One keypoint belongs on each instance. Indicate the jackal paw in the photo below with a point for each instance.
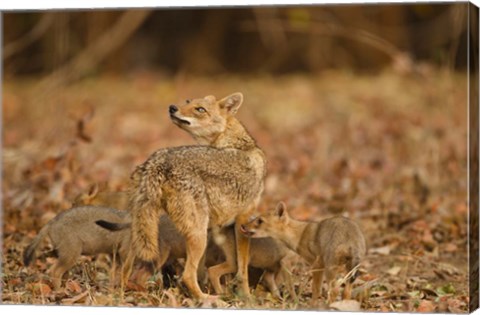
(241, 288)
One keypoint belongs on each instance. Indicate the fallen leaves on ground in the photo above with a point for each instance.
(388, 151)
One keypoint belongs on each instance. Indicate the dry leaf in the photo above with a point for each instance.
(394, 270)
(40, 288)
(15, 281)
(79, 298)
(426, 306)
(346, 306)
(73, 286)
(384, 250)
(213, 302)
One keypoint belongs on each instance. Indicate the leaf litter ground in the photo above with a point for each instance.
(387, 150)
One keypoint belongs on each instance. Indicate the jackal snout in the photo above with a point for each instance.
(172, 109)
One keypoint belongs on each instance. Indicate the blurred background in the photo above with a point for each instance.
(361, 111)
(252, 40)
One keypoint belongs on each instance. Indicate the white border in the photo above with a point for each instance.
(20, 5)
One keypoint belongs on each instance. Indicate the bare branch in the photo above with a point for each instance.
(33, 35)
(88, 59)
(330, 29)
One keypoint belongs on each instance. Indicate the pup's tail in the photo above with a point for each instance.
(348, 256)
(29, 252)
(111, 226)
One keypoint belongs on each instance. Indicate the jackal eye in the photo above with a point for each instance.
(259, 221)
(201, 110)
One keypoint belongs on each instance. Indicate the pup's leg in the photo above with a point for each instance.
(347, 291)
(352, 263)
(269, 278)
(164, 254)
(284, 274)
(332, 287)
(228, 247)
(127, 269)
(217, 271)
(113, 271)
(68, 251)
(317, 270)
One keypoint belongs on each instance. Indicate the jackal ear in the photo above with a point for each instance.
(281, 210)
(93, 190)
(232, 102)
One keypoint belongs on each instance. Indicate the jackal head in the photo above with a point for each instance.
(205, 118)
(269, 224)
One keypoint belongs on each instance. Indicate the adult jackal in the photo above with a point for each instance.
(205, 186)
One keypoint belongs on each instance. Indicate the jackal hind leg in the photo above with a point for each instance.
(127, 267)
(270, 281)
(114, 269)
(317, 272)
(202, 271)
(333, 288)
(67, 257)
(190, 216)
(347, 290)
(196, 244)
(284, 275)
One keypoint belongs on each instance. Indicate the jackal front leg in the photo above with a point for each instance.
(243, 250)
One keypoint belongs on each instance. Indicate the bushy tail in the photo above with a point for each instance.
(145, 205)
(29, 252)
(113, 226)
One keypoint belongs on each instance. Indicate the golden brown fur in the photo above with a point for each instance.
(171, 244)
(200, 186)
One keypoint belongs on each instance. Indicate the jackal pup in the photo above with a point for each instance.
(214, 184)
(102, 197)
(266, 254)
(74, 233)
(325, 245)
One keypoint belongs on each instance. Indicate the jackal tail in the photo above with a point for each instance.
(350, 258)
(111, 226)
(29, 253)
(145, 203)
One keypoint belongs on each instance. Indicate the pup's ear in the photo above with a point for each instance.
(93, 190)
(232, 102)
(281, 210)
(210, 98)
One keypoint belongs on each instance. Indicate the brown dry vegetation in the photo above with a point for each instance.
(388, 150)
